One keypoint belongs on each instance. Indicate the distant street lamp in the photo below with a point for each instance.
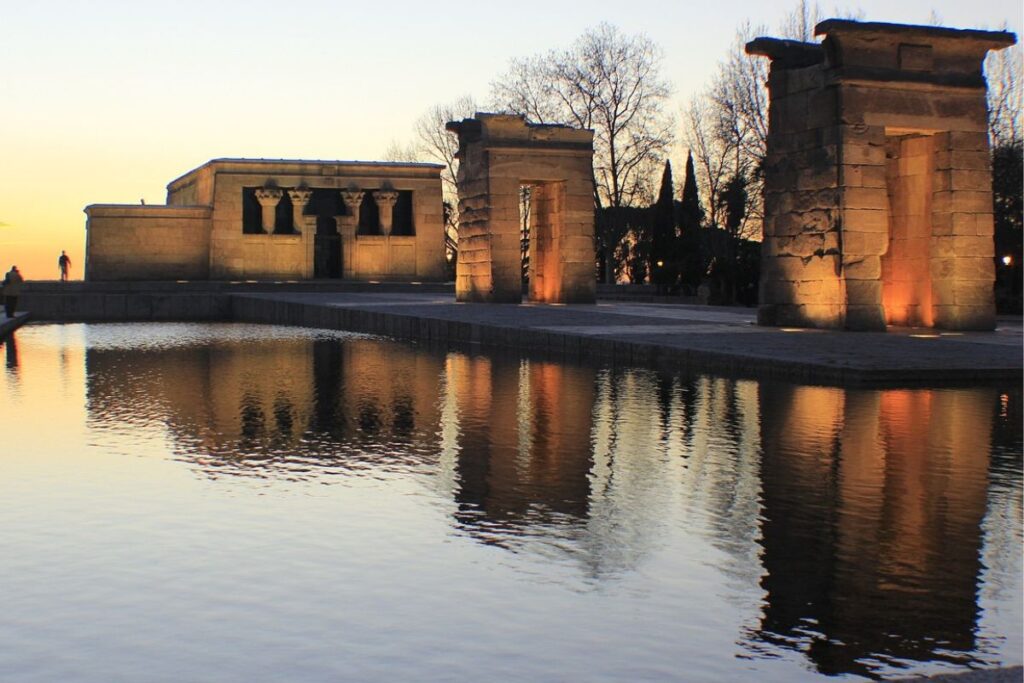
(1007, 260)
(662, 263)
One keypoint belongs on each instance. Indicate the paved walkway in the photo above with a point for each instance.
(701, 337)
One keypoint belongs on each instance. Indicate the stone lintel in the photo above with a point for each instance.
(787, 54)
(906, 53)
(509, 131)
(996, 39)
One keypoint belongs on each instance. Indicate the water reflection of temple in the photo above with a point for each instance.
(873, 502)
(524, 440)
(523, 449)
(292, 404)
(857, 513)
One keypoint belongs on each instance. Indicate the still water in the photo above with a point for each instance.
(244, 503)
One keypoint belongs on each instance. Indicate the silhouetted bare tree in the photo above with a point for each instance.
(1003, 73)
(726, 126)
(433, 143)
(609, 82)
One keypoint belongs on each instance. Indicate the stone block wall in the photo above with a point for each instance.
(802, 260)
(147, 242)
(195, 188)
(497, 156)
(878, 204)
(962, 252)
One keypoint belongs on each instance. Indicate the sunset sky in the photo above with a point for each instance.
(106, 102)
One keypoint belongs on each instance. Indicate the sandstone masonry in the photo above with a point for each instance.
(878, 191)
(499, 154)
(277, 219)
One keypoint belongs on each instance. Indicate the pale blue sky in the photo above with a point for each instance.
(107, 101)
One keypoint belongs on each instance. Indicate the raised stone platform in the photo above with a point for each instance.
(700, 338)
(170, 301)
(697, 338)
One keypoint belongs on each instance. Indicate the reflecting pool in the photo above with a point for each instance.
(240, 503)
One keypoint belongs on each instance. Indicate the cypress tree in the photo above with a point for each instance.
(691, 216)
(664, 271)
(691, 213)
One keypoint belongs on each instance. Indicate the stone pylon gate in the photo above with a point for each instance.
(498, 155)
(878, 189)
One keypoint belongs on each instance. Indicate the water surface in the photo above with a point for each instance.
(239, 503)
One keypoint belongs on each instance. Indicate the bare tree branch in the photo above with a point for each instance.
(608, 82)
(434, 143)
(1003, 73)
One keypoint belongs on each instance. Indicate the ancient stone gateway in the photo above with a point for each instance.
(878, 190)
(498, 155)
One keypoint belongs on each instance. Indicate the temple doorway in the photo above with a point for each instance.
(326, 249)
(906, 265)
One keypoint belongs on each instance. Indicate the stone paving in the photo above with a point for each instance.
(699, 337)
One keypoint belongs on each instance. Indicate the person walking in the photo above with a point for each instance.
(64, 263)
(12, 288)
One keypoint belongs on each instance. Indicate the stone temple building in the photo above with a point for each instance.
(277, 219)
(498, 156)
(878, 188)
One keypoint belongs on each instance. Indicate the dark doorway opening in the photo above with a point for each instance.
(326, 249)
(326, 205)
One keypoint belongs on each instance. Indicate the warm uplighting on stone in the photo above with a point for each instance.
(878, 193)
(498, 155)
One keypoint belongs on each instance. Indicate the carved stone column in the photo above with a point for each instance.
(300, 198)
(269, 197)
(347, 226)
(354, 201)
(306, 227)
(385, 204)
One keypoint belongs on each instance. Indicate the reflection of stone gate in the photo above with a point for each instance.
(878, 193)
(498, 154)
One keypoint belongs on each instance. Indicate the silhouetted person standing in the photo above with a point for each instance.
(12, 288)
(64, 263)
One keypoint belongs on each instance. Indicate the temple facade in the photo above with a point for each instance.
(277, 219)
